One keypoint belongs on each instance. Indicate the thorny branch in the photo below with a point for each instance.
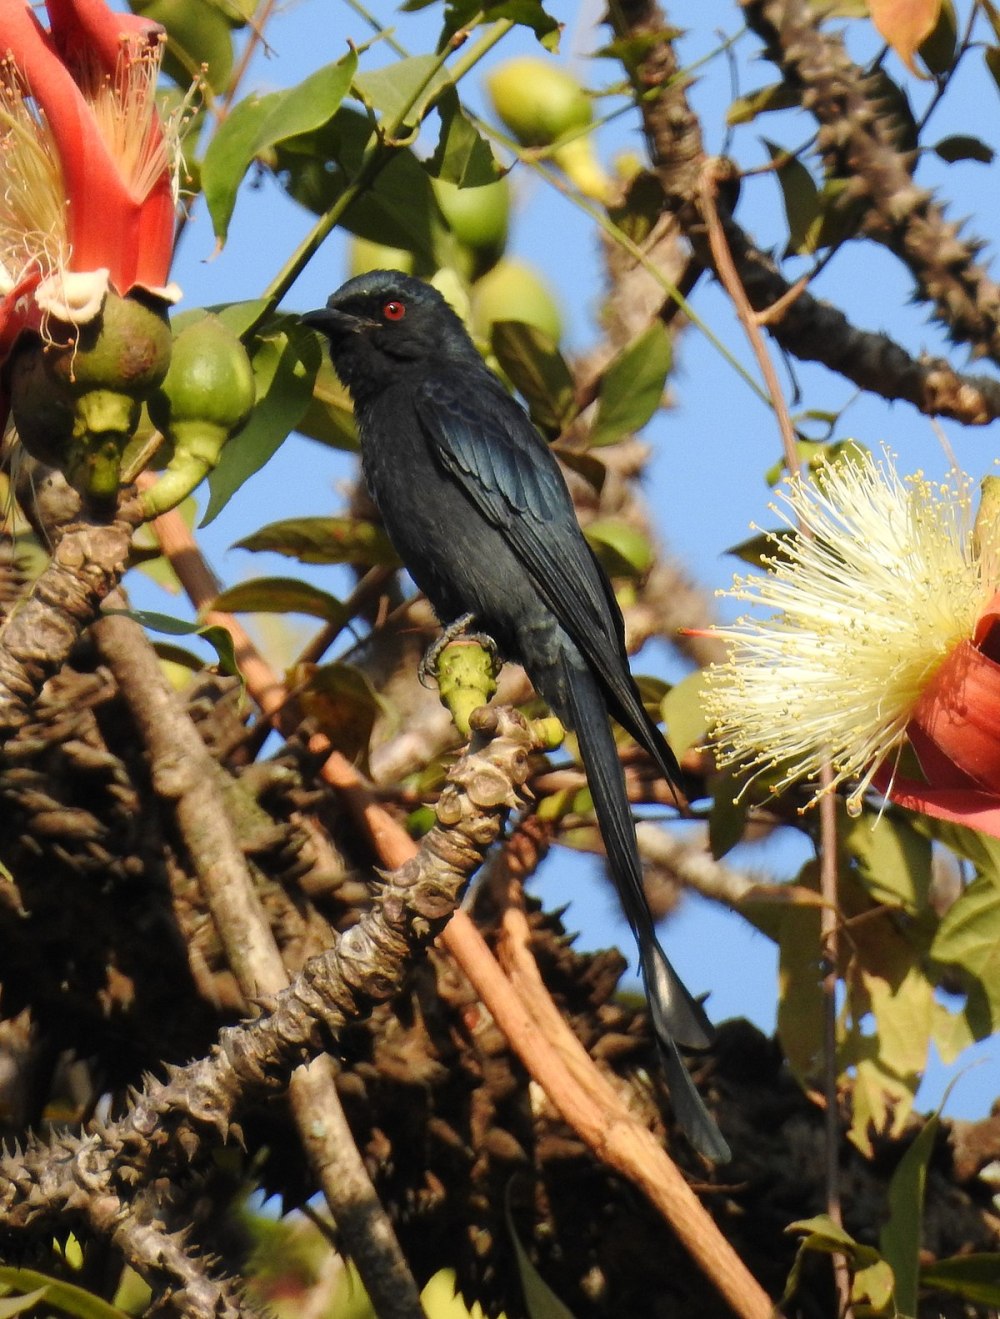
(168, 1121)
(856, 140)
(184, 772)
(809, 329)
(35, 641)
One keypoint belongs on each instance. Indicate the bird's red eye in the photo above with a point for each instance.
(394, 311)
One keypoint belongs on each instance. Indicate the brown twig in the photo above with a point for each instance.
(829, 917)
(711, 173)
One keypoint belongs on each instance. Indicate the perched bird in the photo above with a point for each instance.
(477, 508)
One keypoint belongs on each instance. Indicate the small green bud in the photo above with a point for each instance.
(466, 680)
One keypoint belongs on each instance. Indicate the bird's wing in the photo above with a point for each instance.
(486, 442)
(483, 438)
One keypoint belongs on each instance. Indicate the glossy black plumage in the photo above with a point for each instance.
(478, 510)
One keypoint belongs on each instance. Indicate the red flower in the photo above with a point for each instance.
(955, 733)
(89, 197)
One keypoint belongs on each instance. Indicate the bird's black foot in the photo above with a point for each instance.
(428, 669)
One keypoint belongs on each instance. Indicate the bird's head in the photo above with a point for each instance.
(380, 323)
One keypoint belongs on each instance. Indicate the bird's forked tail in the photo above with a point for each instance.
(678, 1018)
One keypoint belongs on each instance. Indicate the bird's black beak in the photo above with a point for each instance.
(335, 324)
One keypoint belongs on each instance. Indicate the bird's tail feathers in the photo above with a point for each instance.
(692, 1116)
(677, 1016)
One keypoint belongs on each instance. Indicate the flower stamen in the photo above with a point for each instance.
(124, 106)
(33, 228)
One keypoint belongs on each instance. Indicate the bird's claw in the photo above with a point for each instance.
(427, 670)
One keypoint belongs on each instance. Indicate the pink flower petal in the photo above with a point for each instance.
(959, 716)
(973, 808)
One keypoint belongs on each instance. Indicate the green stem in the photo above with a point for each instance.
(383, 32)
(375, 156)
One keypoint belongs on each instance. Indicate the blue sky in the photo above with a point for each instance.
(710, 450)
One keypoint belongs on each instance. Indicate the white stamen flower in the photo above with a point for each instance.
(877, 582)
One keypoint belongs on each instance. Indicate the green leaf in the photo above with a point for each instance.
(623, 549)
(960, 146)
(728, 817)
(969, 937)
(463, 155)
(396, 210)
(992, 57)
(632, 388)
(893, 861)
(801, 198)
(765, 548)
(324, 540)
(951, 1032)
(872, 1283)
(459, 14)
(979, 848)
(217, 637)
(199, 40)
(900, 1236)
(285, 363)
(260, 122)
(406, 87)
(538, 371)
(345, 705)
(684, 714)
(63, 1296)
(280, 595)
(800, 1007)
(540, 1300)
(229, 156)
(976, 1278)
(777, 96)
(237, 13)
(938, 50)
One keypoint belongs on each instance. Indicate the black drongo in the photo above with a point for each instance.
(475, 504)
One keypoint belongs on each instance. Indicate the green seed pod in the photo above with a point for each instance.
(206, 397)
(513, 291)
(541, 103)
(76, 406)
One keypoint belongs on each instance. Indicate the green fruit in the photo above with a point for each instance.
(76, 406)
(364, 255)
(541, 103)
(538, 101)
(478, 217)
(513, 291)
(206, 397)
(209, 386)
